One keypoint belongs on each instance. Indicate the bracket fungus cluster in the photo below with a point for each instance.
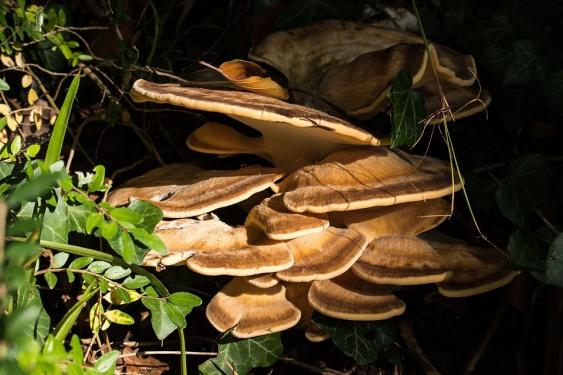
(340, 232)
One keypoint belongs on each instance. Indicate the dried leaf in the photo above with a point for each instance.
(32, 96)
(19, 60)
(252, 77)
(7, 61)
(53, 119)
(12, 123)
(5, 109)
(26, 81)
(146, 365)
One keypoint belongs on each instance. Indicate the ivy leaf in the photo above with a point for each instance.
(241, 356)
(527, 252)
(94, 220)
(524, 66)
(406, 112)
(55, 223)
(28, 296)
(553, 89)
(78, 216)
(527, 185)
(119, 317)
(151, 214)
(554, 262)
(363, 341)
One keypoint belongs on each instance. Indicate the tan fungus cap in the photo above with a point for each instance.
(400, 260)
(361, 178)
(211, 247)
(280, 224)
(251, 311)
(351, 298)
(323, 255)
(181, 195)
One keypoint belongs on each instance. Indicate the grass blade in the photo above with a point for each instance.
(59, 130)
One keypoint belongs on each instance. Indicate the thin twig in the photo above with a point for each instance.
(315, 369)
(407, 333)
(489, 333)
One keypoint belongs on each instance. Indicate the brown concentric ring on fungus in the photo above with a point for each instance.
(211, 247)
(250, 311)
(400, 260)
(280, 224)
(351, 298)
(405, 219)
(361, 178)
(475, 270)
(179, 194)
(323, 255)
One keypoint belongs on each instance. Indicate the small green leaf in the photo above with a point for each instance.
(98, 266)
(406, 112)
(136, 282)
(60, 259)
(106, 363)
(51, 279)
(33, 150)
(126, 215)
(77, 217)
(98, 179)
(16, 145)
(244, 355)
(151, 214)
(76, 349)
(175, 314)
(160, 321)
(117, 272)
(152, 241)
(80, 263)
(119, 317)
(127, 247)
(4, 85)
(185, 301)
(109, 229)
(94, 220)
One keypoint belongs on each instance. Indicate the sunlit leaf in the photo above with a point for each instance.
(252, 77)
(119, 317)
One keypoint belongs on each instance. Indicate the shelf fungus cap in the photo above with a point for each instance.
(307, 54)
(266, 280)
(288, 130)
(361, 178)
(181, 195)
(400, 260)
(280, 224)
(297, 294)
(405, 219)
(251, 311)
(303, 54)
(350, 298)
(475, 270)
(323, 255)
(155, 184)
(211, 247)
